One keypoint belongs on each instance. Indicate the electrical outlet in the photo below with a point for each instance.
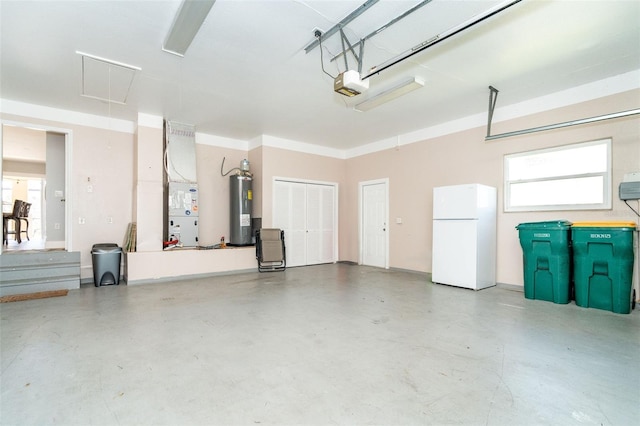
(81, 220)
(56, 226)
(109, 219)
(631, 177)
(398, 220)
(89, 188)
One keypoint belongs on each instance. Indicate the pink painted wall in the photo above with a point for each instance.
(415, 169)
(106, 157)
(277, 162)
(214, 202)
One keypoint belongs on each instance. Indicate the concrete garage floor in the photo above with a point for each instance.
(330, 344)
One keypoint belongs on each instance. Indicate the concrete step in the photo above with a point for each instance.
(35, 271)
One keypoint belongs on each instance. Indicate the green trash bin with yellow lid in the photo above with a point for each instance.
(603, 265)
(546, 253)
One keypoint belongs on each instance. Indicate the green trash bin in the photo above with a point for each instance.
(546, 250)
(603, 265)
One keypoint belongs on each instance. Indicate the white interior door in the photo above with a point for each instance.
(374, 223)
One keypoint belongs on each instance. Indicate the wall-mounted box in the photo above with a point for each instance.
(629, 190)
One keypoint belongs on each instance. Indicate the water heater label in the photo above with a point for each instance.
(245, 220)
(250, 195)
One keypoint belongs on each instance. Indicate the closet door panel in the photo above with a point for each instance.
(296, 248)
(314, 224)
(328, 224)
(289, 215)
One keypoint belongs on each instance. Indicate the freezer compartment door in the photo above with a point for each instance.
(455, 202)
(455, 252)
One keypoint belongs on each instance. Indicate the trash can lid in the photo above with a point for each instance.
(604, 225)
(553, 224)
(105, 248)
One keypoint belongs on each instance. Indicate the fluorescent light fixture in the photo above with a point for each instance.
(385, 96)
(186, 25)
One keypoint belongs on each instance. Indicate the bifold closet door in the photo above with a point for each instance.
(306, 213)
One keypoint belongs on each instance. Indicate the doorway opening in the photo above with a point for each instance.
(34, 170)
(30, 190)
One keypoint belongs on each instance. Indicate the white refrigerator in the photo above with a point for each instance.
(464, 236)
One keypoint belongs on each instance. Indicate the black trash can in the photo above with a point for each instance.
(106, 264)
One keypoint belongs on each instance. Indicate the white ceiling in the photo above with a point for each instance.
(247, 74)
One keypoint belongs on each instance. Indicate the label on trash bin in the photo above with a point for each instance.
(542, 235)
(604, 236)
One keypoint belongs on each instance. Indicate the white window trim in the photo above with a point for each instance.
(606, 204)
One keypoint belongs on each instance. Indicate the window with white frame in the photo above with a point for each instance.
(7, 195)
(569, 177)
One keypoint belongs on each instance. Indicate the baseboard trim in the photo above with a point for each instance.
(189, 277)
(511, 287)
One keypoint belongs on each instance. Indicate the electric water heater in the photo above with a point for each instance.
(241, 203)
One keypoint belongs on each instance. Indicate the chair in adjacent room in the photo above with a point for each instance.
(15, 217)
(24, 216)
(270, 250)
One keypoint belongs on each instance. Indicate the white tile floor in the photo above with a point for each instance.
(331, 344)
(32, 244)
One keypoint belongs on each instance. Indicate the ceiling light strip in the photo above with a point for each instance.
(441, 37)
(185, 26)
(388, 95)
(353, 15)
